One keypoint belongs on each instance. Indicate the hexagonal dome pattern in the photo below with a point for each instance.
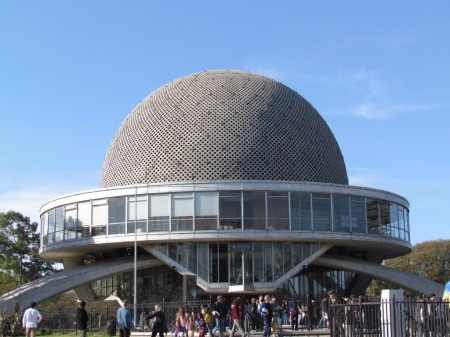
(223, 125)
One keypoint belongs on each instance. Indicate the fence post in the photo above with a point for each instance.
(392, 314)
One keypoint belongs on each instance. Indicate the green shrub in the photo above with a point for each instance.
(10, 323)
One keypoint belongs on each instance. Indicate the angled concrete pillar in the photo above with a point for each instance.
(84, 292)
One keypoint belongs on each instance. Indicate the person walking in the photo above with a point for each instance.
(125, 320)
(335, 314)
(191, 325)
(294, 316)
(236, 309)
(323, 322)
(159, 321)
(220, 314)
(267, 315)
(260, 305)
(206, 311)
(82, 318)
(182, 321)
(30, 320)
(276, 310)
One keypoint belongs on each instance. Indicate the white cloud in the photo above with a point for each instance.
(371, 95)
(364, 81)
(374, 111)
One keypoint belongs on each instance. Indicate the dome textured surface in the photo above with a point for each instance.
(223, 125)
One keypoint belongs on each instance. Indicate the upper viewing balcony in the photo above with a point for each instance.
(241, 209)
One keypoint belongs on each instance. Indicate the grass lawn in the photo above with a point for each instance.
(73, 335)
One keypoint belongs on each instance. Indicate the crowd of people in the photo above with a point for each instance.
(266, 314)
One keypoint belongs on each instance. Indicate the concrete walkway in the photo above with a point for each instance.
(284, 332)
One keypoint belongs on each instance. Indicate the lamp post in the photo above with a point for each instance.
(135, 257)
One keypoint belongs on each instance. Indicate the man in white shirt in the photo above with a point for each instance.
(30, 320)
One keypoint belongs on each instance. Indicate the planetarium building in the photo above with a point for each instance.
(225, 182)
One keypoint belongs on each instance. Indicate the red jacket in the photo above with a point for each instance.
(236, 311)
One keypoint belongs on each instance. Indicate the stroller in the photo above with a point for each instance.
(111, 327)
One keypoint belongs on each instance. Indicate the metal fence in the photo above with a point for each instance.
(407, 318)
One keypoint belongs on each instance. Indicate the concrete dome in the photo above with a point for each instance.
(223, 125)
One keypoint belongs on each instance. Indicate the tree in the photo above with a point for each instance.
(429, 259)
(19, 249)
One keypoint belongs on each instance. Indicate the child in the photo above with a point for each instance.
(201, 325)
(191, 326)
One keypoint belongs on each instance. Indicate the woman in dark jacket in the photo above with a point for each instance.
(159, 322)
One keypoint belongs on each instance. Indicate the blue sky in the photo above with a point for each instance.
(378, 72)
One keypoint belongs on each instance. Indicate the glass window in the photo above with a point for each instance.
(287, 256)
(401, 217)
(203, 261)
(116, 215)
(173, 251)
(403, 222)
(219, 262)
(315, 247)
(116, 228)
(99, 212)
(385, 219)
(236, 267)
(241, 270)
(185, 254)
(373, 216)
(358, 214)
(137, 208)
(44, 226)
(407, 224)
(258, 262)
(59, 224)
(394, 220)
(248, 265)
(297, 249)
(182, 212)
(51, 220)
(206, 211)
(277, 260)
(341, 213)
(141, 226)
(268, 269)
(137, 214)
(70, 222)
(230, 210)
(84, 218)
(98, 230)
(190, 256)
(223, 262)
(306, 250)
(278, 210)
(116, 210)
(300, 211)
(214, 263)
(254, 210)
(321, 203)
(99, 217)
(158, 212)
